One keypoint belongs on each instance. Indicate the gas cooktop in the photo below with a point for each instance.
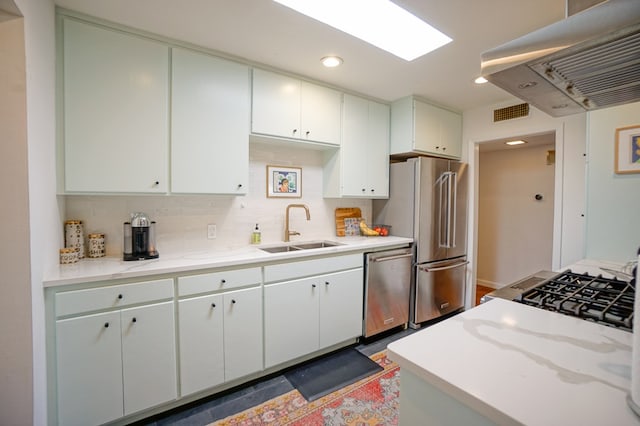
(607, 301)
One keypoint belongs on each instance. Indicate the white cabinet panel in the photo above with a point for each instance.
(287, 107)
(210, 113)
(116, 99)
(341, 307)
(201, 343)
(89, 369)
(217, 281)
(291, 320)
(364, 162)
(303, 268)
(422, 128)
(242, 332)
(148, 356)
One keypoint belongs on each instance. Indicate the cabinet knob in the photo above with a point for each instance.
(106, 325)
(213, 305)
(223, 281)
(437, 147)
(373, 190)
(156, 183)
(233, 301)
(364, 189)
(239, 185)
(308, 133)
(295, 131)
(313, 286)
(327, 283)
(444, 148)
(134, 319)
(120, 296)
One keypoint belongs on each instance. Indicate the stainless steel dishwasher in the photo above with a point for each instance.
(387, 290)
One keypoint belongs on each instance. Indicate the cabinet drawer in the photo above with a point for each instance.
(287, 271)
(78, 301)
(216, 281)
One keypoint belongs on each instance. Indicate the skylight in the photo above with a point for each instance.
(378, 22)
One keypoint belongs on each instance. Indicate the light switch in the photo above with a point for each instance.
(211, 231)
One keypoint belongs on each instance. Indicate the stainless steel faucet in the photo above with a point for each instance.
(288, 233)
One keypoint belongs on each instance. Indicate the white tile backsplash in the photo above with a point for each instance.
(181, 220)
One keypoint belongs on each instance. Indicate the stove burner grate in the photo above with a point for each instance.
(607, 301)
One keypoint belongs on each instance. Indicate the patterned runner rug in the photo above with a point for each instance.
(372, 401)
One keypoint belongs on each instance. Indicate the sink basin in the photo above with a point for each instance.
(279, 249)
(300, 246)
(317, 244)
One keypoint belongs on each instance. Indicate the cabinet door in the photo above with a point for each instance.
(148, 356)
(378, 150)
(275, 105)
(437, 131)
(341, 305)
(115, 111)
(201, 343)
(242, 332)
(210, 110)
(291, 320)
(320, 113)
(89, 369)
(354, 149)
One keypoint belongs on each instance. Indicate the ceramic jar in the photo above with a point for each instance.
(96, 245)
(74, 236)
(68, 255)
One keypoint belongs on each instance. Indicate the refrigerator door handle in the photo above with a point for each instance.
(453, 189)
(443, 268)
(443, 216)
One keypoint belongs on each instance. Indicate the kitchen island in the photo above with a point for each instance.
(506, 363)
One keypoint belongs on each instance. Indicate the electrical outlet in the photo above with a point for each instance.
(211, 231)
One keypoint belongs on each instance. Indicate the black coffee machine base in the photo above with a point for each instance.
(128, 257)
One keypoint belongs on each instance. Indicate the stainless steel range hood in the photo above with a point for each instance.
(587, 61)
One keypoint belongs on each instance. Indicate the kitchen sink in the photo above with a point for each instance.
(300, 246)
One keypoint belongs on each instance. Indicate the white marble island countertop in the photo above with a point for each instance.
(108, 268)
(517, 364)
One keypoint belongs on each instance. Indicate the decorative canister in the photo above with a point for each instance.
(96, 245)
(74, 236)
(68, 255)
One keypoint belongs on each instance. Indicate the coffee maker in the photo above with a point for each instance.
(140, 238)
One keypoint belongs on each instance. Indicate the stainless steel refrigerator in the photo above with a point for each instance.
(428, 202)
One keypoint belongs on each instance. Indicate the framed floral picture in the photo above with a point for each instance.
(627, 156)
(284, 182)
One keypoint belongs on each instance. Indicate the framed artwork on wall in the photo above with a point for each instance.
(627, 155)
(284, 182)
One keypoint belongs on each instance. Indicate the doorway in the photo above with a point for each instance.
(515, 209)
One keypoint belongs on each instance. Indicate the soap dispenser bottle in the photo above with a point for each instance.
(255, 236)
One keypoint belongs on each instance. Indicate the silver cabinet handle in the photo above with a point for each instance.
(443, 268)
(383, 259)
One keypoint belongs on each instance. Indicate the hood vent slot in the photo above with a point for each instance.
(510, 112)
(605, 75)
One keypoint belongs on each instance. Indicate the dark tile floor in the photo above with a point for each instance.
(208, 410)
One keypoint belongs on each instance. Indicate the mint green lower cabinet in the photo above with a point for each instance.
(220, 338)
(310, 314)
(113, 364)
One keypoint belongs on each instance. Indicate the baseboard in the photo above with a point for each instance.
(490, 284)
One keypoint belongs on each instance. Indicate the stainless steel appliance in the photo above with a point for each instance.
(582, 63)
(387, 285)
(608, 301)
(428, 202)
(140, 238)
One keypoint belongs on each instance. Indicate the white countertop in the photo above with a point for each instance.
(107, 268)
(519, 364)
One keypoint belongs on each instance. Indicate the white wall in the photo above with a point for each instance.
(613, 201)
(182, 220)
(44, 216)
(478, 127)
(510, 220)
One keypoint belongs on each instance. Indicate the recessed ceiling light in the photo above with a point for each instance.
(378, 22)
(519, 142)
(331, 61)
(480, 80)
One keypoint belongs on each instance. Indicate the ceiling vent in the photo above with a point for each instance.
(511, 112)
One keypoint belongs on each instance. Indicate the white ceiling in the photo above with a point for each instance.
(264, 32)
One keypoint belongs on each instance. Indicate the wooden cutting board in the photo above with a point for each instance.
(341, 214)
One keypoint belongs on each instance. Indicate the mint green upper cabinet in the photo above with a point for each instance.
(361, 167)
(116, 122)
(419, 127)
(287, 107)
(210, 113)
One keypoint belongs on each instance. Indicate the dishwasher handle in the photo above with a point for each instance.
(443, 268)
(386, 258)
